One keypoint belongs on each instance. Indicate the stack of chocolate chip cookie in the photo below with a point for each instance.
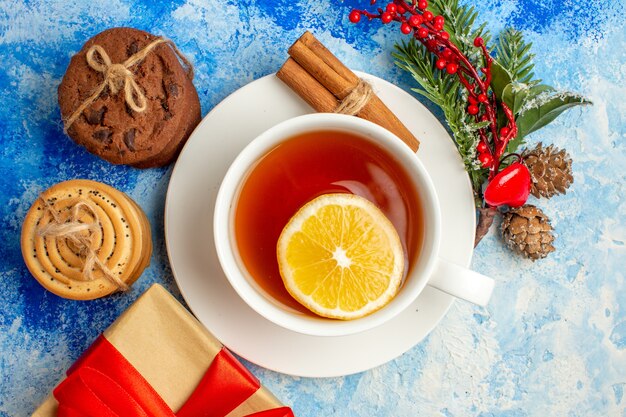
(127, 98)
(82, 240)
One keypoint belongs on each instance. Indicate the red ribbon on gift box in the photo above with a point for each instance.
(102, 383)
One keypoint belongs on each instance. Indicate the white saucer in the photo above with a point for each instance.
(189, 235)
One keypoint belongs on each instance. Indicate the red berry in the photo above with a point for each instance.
(485, 159)
(391, 8)
(437, 26)
(415, 20)
(428, 16)
(405, 28)
(452, 68)
(483, 98)
(478, 41)
(355, 16)
(481, 147)
(472, 100)
(386, 17)
(511, 186)
(505, 131)
(446, 53)
(484, 118)
(439, 20)
(441, 64)
(472, 109)
(401, 9)
(445, 35)
(422, 32)
(422, 4)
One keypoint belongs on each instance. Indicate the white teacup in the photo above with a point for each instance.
(427, 269)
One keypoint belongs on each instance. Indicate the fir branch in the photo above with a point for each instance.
(489, 104)
(445, 91)
(459, 23)
(514, 67)
(514, 55)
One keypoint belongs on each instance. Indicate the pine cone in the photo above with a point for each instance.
(550, 170)
(527, 230)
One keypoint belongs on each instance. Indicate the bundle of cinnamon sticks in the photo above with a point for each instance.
(323, 81)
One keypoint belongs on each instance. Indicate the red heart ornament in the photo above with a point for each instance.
(510, 187)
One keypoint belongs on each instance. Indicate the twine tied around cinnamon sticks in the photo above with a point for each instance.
(119, 77)
(358, 98)
(327, 85)
(73, 230)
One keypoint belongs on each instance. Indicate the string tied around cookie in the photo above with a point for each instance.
(74, 230)
(356, 99)
(118, 77)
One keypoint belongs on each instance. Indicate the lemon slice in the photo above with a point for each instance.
(340, 257)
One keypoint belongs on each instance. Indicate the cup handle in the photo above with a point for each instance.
(462, 283)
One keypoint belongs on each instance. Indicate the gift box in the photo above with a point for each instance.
(156, 359)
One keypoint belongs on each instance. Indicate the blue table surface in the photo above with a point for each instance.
(551, 343)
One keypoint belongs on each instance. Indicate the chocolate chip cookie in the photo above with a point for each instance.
(109, 127)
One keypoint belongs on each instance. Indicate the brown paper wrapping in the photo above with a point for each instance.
(170, 348)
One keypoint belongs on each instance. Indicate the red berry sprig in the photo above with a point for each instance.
(415, 18)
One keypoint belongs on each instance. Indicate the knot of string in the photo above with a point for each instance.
(73, 230)
(118, 77)
(356, 99)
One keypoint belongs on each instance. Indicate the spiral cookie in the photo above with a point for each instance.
(82, 240)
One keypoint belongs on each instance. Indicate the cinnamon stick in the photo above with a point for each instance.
(307, 87)
(331, 60)
(320, 70)
(319, 77)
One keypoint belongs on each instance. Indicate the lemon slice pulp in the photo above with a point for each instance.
(340, 257)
